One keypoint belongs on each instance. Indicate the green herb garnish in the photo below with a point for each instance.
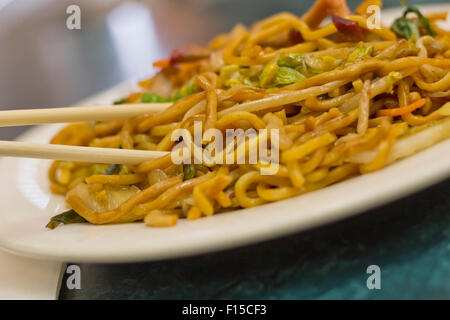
(412, 27)
(189, 171)
(66, 217)
(120, 101)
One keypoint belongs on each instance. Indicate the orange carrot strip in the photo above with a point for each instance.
(402, 110)
(164, 63)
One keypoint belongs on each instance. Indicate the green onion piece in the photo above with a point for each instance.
(66, 217)
(148, 97)
(189, 171)
(121, 101)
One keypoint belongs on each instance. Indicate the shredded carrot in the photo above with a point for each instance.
(402, 110)
(164, 63)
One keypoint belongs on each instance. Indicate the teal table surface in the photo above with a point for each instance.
(408, 239)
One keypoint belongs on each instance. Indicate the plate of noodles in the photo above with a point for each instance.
(362, 115)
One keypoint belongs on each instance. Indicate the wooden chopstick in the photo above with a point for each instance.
(75, 114)
(72, 153)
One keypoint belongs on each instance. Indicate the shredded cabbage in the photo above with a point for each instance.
(392, 78)
(268, 74)
(360, 51)
(287, 75)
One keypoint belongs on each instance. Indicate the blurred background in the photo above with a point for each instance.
(43, 64)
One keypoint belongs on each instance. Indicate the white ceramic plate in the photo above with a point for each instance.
(26, 206)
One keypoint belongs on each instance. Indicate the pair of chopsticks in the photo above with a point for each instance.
(75, 114)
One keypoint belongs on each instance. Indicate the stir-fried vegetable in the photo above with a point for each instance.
(287, 75)
(307, 65)
(233, 75)
(408, 27)
(291, 60)
(349, 28)
(120, 101)
(124, 170)
(66, 217)
(189, 53)
(163, 63)
(360, 51)
(148, 97)
(295, 37)
(189, 171)
(392, 78)
(111, 169)
(402, 110)
(182, 54)
(229, 75)
(98, 168)
(186, 90)
(268, 74)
